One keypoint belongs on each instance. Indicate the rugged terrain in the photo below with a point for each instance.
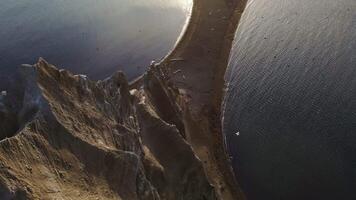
(95, 140)
(158, 137)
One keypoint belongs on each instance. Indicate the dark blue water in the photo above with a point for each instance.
(89, 37)
(292, 98)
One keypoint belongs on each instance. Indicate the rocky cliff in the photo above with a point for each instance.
(73, 138)
(159, 137)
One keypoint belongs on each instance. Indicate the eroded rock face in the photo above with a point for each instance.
(79, 139)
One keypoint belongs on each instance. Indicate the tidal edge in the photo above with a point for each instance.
(158, 137)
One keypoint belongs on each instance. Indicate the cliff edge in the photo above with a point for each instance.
(158, 137)
(82, 139)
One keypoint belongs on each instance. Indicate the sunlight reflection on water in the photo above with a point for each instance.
(89, 36)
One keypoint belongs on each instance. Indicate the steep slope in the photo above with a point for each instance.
(80, 139)
(158, 137)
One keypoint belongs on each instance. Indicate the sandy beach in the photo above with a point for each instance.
(87, 139)
(196, 67)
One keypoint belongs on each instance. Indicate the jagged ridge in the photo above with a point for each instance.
(80, 139)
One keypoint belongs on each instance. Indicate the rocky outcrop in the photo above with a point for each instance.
(74, 138)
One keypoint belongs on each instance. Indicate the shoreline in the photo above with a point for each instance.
(164, 138)
(196, 66)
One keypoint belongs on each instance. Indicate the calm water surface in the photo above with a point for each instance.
(292, 98)
(89, 36)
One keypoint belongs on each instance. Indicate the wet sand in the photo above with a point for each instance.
(197, 66)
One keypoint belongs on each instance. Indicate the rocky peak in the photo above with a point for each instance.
(81, 139)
